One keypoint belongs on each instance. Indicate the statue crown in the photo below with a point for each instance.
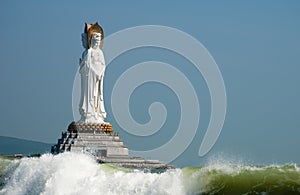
(90, 29)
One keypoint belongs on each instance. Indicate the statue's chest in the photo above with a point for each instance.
(96, 56)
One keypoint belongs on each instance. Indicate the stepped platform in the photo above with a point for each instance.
(102, 142)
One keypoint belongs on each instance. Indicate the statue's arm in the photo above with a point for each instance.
(102, 59)
(102, 76)
(101, 87)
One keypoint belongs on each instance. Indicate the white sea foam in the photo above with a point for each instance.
(71, 173)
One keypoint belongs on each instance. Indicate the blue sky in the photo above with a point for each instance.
(255, 44)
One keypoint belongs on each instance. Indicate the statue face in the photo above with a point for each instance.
(84, 40)
(96, 39)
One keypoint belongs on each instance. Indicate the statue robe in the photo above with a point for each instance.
(92, 68)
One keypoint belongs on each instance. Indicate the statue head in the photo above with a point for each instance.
(84, 40)
(95, 40)
(90, 30)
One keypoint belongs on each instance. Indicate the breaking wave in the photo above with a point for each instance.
(71, 173)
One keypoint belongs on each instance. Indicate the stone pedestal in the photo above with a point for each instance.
(96, 139)
(102, 142)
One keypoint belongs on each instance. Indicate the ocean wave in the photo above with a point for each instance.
(71, 173)
(242, 179)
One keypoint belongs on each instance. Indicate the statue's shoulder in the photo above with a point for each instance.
(101, 51)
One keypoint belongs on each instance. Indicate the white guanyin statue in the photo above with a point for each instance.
(92, 68)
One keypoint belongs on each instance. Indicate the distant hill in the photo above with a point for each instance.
(10, 145)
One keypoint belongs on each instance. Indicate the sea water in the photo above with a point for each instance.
(71, 173)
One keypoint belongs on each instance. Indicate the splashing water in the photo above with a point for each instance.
(71, 173)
